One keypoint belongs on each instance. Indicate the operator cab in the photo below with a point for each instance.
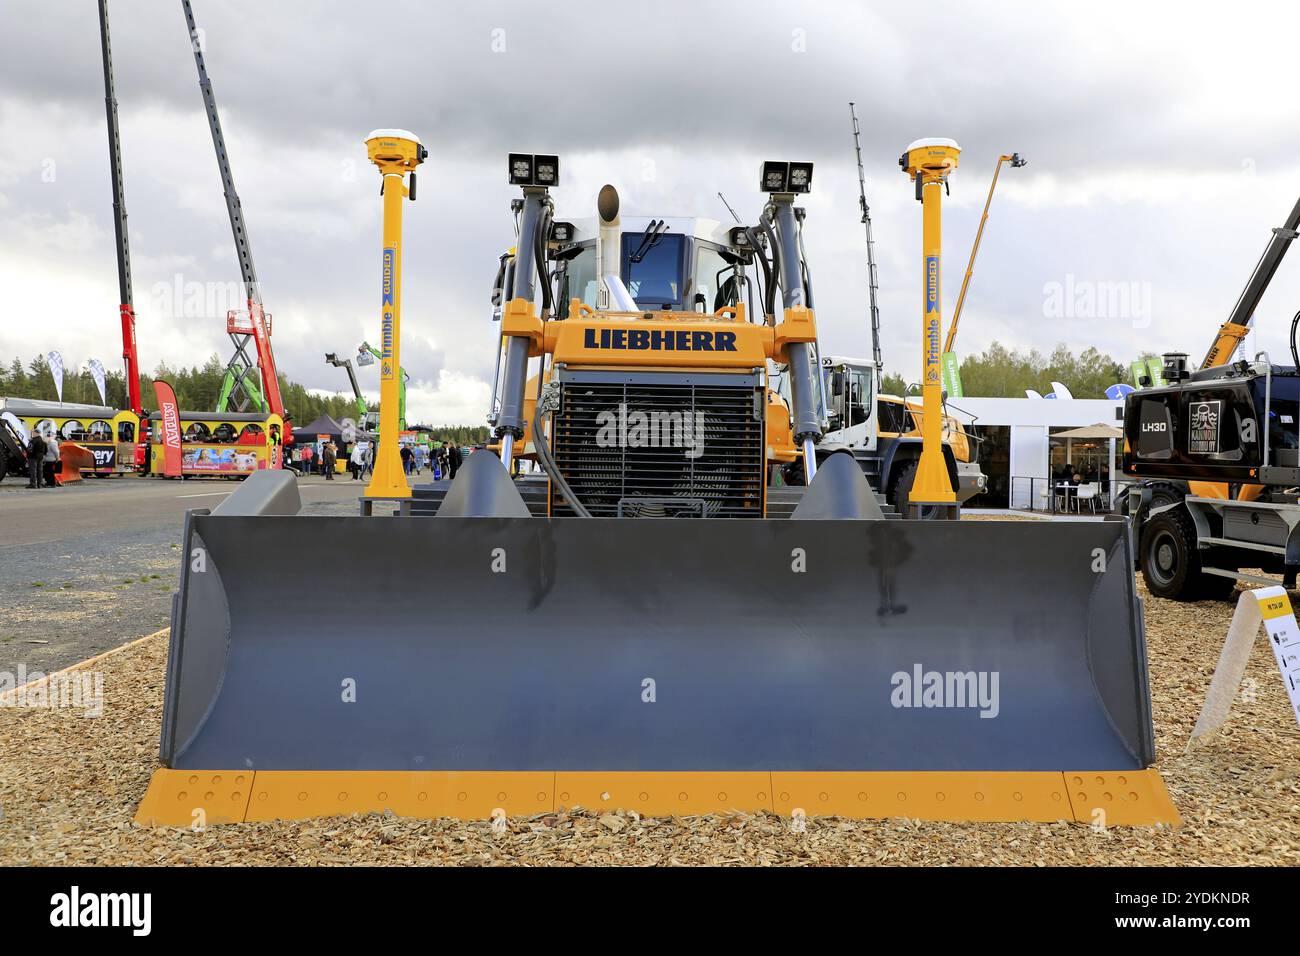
(846, 399)
(849, 386)
(675, 264)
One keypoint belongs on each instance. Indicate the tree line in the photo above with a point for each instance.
(197, 389)
(999, 372)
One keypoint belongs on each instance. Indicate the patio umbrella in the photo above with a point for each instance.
(1091, 431)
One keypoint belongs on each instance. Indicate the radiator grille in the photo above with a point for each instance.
(661, 449)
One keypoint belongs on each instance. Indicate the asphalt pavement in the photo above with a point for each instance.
(93, 565)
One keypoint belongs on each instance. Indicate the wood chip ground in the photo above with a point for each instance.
(69, 786)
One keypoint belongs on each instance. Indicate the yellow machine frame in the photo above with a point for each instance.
(1136, 798)
(722, 341)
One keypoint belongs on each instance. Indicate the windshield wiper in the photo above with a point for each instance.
(649, 239)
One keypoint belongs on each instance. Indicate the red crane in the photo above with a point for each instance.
(256, 324)
(130, 357)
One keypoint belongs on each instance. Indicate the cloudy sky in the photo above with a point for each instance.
(1162, 148)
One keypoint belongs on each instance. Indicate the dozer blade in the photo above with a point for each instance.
(457, 665)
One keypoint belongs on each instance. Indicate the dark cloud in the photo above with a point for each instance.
(1155, 155)
(1096, 87)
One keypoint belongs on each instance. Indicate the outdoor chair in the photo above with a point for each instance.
(1086, 493)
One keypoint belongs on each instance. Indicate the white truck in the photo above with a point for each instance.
(884, 434)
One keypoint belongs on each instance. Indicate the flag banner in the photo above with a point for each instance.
(171, 428)
(97, 373)
(56, 370)
(1156, 369)
(951, 374)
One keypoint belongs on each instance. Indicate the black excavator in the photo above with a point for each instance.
(1216, 455)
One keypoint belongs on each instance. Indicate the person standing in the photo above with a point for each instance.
(51, 460)
(406, 459)
(327, 459)
(35, 460)
(307, 454)
(453, 460)
(358, 461)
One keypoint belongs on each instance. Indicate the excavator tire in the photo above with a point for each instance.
(1171, 563)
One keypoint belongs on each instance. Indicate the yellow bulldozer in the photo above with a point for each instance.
(882, 431)
(648, 623)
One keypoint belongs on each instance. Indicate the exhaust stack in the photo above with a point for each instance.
(613, 294)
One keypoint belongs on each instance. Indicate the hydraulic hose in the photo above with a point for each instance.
(552, 470)
(769, 304)
(1295, 356)
(805, 269)
(539, 256)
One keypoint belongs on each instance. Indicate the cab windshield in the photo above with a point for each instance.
(655, 277)
(579, 279)
(847, 388)
(780, 383)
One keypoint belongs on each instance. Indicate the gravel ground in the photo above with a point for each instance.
(69, 787)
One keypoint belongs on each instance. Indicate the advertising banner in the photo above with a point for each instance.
(951, 375)
(1156, 369)
(223, 459)
(56, 370)
(97, 373)
(105, 457)
(171, 428)
(1270, 608)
